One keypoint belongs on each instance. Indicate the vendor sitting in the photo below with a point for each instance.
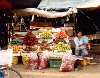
(81, 43)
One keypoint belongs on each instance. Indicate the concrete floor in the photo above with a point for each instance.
(92, 71)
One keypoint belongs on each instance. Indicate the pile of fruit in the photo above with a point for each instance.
(46, 35)
(16, 41)
(15, 60)
(30, 48)
(61, 46)
(24, 59)
(30, 39)
(44, 46)
(61, 34)
(16, 48)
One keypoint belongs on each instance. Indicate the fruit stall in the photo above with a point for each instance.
(48, 43)
(43, 47)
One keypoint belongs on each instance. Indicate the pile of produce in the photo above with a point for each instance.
(44, 46)
(15, 60)
(16, 48)
(61, 34)
(46, 35)
(24, 59)
(30, 39)
(68, 62)
(30, 48)
(61, 46)
(16, 41)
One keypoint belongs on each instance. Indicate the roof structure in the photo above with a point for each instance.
(59, 4)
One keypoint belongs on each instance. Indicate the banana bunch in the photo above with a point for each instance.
(46, 35)
(61, 46)
(24, 59)
(15, 60)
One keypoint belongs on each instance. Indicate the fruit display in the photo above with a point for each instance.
(44, 46)
(30, 48)
(24, 59)
(15, 60)
(30, 39)
(61, 34)
(46, 35)
(16, 41)
(16, 47)
(61, 46)
(68, 62)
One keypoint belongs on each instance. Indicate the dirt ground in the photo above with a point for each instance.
(92, 71)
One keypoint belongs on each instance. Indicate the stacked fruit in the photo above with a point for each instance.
(30, 39)
(16, 41)
(16, 48)
(45, 46)
(61, 34)
(24, 59)
(15, 60)
(61, 46)
(46, 35)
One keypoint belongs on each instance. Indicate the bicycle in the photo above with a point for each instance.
(6, 71)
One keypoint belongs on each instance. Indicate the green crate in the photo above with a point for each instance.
(55, 63)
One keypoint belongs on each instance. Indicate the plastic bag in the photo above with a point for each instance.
(33, 61)
(68, 62)
(43, 59)
(6, 57)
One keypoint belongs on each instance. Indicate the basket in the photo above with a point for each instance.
(84, 62)
(6, 57)
(55, 63)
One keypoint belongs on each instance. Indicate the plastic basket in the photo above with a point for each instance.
(55, 63)
(6, 57)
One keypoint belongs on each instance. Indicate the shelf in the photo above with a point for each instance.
(25, 54)
(17, 54)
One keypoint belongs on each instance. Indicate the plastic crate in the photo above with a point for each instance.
(55, 63)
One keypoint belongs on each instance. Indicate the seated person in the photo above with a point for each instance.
(81, 43)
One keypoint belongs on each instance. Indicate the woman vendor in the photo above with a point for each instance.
(81, 43)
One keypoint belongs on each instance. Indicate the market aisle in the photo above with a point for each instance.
(92, 71)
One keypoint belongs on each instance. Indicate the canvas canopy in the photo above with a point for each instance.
(34, 11)
(47, 4)
(68, 3)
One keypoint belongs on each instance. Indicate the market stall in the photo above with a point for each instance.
(39, 43)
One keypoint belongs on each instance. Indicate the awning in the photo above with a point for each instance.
(34, 11)
(58, 4)
(90, 4)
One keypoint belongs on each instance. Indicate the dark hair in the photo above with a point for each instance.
(78, 31)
